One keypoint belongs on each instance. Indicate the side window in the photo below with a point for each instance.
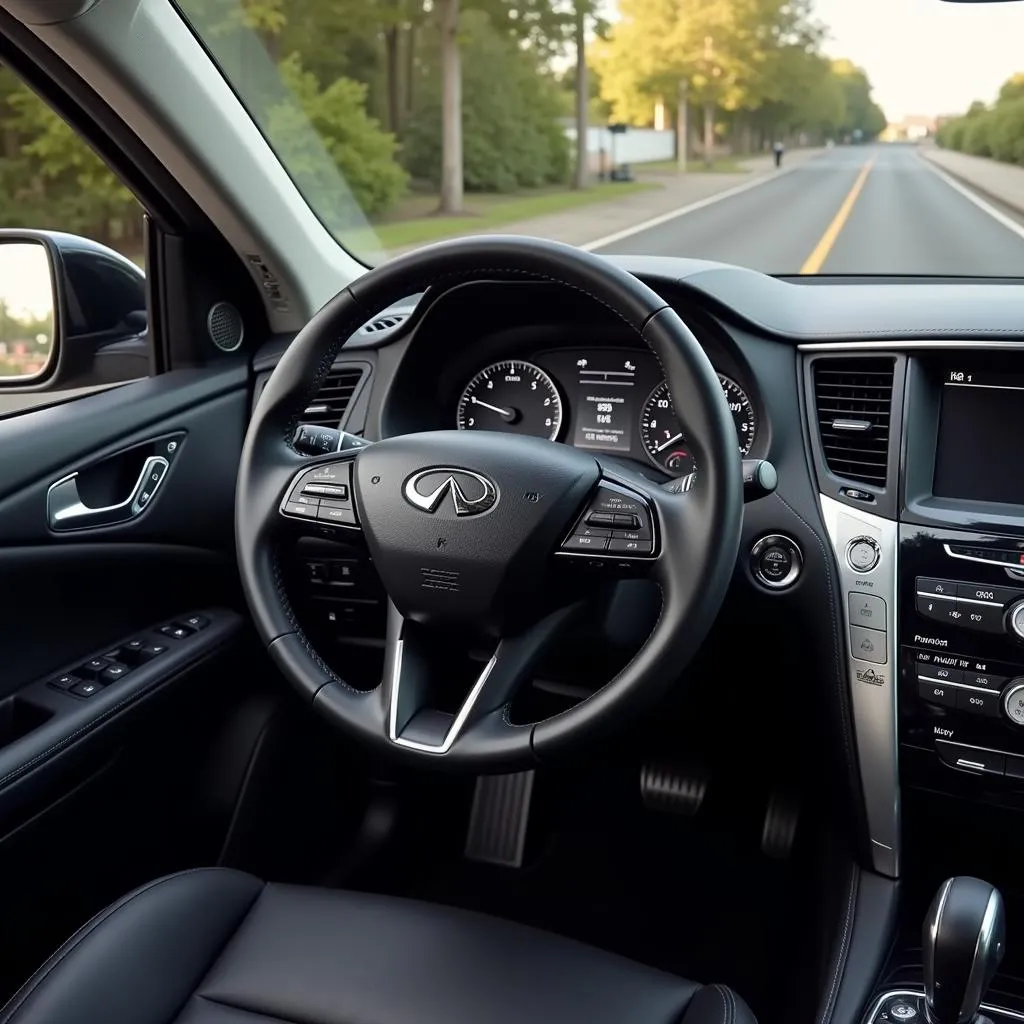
(72, 276)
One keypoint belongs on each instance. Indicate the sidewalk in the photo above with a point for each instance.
(1003, 182)
(587, 223)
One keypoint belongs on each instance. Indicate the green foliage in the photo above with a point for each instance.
(996, 131)
(511, 136)
(355, 143)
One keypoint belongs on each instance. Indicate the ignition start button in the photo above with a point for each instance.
(776, 561)
(863, 554)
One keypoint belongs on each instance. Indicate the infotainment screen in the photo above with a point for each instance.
(980, 457)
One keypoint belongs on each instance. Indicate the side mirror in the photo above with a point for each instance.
(30, 308)
(72, 313)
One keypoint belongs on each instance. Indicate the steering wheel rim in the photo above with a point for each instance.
(696, 532)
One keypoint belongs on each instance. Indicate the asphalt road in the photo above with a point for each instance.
(877, 209)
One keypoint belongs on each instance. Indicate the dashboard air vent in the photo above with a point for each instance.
(334, 396)
(853, 401)
(384, 323)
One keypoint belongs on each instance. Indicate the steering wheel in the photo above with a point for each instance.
(485, 534)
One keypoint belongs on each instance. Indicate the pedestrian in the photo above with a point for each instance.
(778, 149)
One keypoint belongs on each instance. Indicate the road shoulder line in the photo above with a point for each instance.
(700, 204)
(972, 196)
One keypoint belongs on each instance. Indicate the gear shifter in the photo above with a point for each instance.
(963, 941)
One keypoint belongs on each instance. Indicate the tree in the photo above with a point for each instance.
(1012, 88)
(451, 107)
(862, 113)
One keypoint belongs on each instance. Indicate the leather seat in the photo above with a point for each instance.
(216, 946)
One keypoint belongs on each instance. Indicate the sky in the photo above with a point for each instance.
(927, 56)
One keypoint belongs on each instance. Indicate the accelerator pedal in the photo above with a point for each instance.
(498, 819)
(674, 788)
(781, 818)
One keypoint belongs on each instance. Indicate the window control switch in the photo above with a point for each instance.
(113, 672)
(151, 651)
(86, 688)
(64, 682)
(176, 631)
(92, 668)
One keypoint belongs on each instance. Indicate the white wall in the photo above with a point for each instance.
(636, 146)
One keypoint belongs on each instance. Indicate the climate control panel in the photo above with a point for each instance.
(971, 605)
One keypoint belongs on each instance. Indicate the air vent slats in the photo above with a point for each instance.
(333, 398)
(387, 322)
(855, 391)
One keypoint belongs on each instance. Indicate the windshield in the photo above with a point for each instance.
(789, 136)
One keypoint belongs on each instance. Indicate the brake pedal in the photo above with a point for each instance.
(673, 789)
(498, 819)
(781, 818)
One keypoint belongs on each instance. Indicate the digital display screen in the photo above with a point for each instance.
(606, 400)
(979, 455)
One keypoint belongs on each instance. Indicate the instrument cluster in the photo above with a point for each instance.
(611, 400)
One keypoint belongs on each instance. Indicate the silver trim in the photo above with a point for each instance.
(958, 686)
(66, 511)
(394, 682)
(871, 542)
(966, 600)
(873, 703)
(983, 953)
(1016, 626)
(983, 561)
(909, 993)
(897, 344)
(777, 540)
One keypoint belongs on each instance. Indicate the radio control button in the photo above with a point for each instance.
(937, 693)
(945, 588)
(940, 610)
(984, 592)
(986, 617)
(940, 674)
(863, 554)
(977, 702)
(1013, 701)
(985, 680)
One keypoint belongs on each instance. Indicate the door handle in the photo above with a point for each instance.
(65, 509)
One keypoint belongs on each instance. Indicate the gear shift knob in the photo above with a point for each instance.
(963, 941)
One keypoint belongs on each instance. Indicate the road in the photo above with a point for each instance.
(877, 209)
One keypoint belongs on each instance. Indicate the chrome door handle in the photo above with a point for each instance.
(66, 511)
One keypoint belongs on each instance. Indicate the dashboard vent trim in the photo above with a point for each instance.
(334, 397)
(853, 405)
(387, 322)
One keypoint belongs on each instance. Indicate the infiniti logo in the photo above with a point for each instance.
(471, 493)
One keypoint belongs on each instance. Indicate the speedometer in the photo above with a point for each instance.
(662, 433)
(513, 396)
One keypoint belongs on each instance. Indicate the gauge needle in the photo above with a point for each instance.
(508, 414)
(671, 440)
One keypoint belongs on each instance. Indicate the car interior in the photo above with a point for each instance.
(504, 633)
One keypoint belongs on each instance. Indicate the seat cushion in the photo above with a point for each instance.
(220, 947)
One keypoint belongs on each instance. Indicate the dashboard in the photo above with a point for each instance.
(881, 583)
(611, 400)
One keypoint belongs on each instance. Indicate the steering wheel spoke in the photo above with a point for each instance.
(417, 673)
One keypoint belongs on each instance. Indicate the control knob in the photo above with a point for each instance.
(1015, 619)
(1013, 700)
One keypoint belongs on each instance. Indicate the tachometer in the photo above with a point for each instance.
(663, 437)
(514, 396)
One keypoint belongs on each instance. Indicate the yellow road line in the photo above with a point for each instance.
(816, 260)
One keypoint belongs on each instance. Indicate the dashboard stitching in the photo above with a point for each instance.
(840, 962)
(836, 638)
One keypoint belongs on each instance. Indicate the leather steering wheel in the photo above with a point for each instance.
(472, 531)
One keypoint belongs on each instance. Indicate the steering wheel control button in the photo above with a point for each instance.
(1013, 701)
(863, 554)
(602, 519)
(323, 493)
(303, 507)
(615, 523)
(582, 542)
(867, 610)
(336, 512)
(868, 644)
(776, 562)
(339, 491)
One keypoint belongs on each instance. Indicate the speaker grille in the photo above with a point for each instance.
(225, 326)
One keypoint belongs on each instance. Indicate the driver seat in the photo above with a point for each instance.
(216, 946)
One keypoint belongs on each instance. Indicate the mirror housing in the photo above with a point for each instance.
(98, 304)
